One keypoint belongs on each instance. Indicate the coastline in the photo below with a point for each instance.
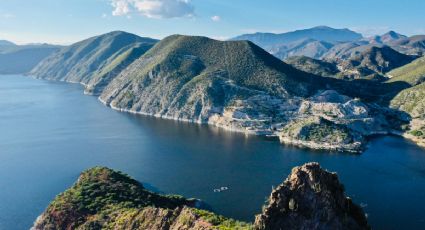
(355, 148)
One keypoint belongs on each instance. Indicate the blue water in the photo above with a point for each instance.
(50, 132)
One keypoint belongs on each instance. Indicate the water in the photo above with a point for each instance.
(50, 132)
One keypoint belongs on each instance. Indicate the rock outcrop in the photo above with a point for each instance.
(310, 198)
(107, 199)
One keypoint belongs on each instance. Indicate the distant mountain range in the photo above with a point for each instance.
(18, 59)
(342, 48)
(320, 33)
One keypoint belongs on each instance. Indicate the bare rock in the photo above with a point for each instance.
(311, 198)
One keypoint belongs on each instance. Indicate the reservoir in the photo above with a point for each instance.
(50, 132)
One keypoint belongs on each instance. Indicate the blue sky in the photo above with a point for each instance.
(67, 21)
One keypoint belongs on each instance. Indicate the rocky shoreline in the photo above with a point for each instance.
(310, 198)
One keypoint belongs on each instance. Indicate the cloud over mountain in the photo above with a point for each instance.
(154, 8)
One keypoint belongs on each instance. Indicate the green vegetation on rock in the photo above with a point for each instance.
(412, 73)
(107, 199)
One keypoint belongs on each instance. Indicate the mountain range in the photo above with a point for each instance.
(94, 61)
(18, 59)
(333, 103)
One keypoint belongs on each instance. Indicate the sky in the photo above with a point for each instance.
(68, 21)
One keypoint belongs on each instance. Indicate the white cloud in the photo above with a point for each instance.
(154, 8)
(216, 18)
(121, 7)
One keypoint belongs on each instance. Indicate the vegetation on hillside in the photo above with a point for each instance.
(107, 199)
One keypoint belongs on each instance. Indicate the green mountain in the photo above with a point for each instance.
(412, 73)
(106, 199)
(16, 59)
(234, 85)
(187, 77)
(369, 62)
(372, 63)
(95, 61)
(314, 66)
(411, 99)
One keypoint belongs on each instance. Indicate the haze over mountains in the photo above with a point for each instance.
(22, 58)
(344, 49)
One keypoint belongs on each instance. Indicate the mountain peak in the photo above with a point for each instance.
(6, 43)
(323, 28)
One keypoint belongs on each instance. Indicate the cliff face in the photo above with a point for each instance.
(311, 198)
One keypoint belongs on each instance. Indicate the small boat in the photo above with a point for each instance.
(221, 189)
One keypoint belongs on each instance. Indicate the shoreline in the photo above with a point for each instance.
(355, 148)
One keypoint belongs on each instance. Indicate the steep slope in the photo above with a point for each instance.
(412, 100)
(21, 59)
(314, 66)
(386, 38)
(308, 47)
(106, 199)
(310, 198)
(345, 51)
(374, 61)
(412, 73)
(95, 60)
(195, 68)
(414, 45)
(237, 86)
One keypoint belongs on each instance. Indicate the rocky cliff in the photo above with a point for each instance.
(310, 198)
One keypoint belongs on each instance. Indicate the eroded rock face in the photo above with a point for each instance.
(310, 198)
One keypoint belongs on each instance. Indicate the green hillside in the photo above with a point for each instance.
(314, 66)
(95, 60)
(107, 199)
(186, 77)
(413, 73)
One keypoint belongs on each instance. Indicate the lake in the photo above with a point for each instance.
(50, 132)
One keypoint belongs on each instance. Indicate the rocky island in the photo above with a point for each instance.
(310, 198)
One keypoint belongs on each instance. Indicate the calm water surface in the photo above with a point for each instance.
(50, 132)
